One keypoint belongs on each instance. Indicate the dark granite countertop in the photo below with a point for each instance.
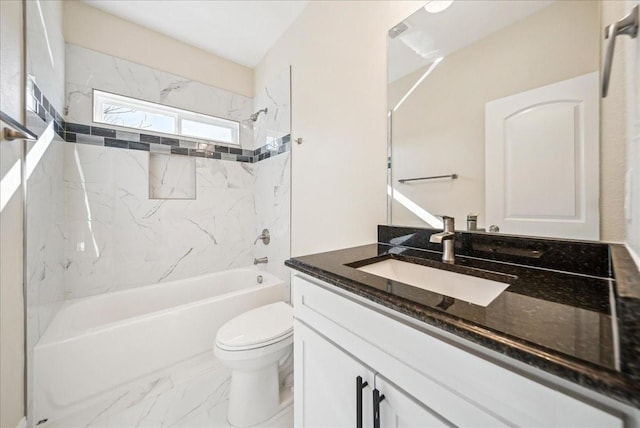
(580, 323)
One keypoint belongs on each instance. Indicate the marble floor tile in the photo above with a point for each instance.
(192, 395)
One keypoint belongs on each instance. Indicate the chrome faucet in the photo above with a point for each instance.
(446, 238)
(260, 260)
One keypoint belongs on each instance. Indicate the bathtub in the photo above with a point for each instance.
(97, 344)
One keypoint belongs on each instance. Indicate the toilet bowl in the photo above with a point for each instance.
(254, 345)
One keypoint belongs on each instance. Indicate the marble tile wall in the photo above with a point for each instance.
(44, 223)
(273, 211)
(117, 237)
(45, 238)
(276, 98)
(171, 177)
(93, 203)
(46, 49)
(88, 69)
(273, 175)
(45, 242)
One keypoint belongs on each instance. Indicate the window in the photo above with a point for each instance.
(118, 110)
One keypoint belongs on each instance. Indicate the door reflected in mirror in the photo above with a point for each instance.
(494, 108)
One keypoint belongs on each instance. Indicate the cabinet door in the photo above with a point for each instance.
(399, 410)
(325, 393)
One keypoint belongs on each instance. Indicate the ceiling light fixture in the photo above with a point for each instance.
(436, 6)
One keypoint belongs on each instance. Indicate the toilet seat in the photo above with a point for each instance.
(256, 328)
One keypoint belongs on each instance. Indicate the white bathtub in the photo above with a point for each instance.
(97, 344)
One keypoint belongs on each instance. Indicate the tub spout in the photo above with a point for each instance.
(260, 260)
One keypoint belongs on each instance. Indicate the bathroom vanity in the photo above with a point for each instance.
(557, 347)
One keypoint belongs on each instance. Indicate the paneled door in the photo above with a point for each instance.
(542, 160)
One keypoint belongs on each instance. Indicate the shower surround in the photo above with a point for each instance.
(117, 237)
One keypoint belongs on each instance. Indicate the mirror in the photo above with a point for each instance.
(494, 109)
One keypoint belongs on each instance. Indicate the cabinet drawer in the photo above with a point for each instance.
(438, 373)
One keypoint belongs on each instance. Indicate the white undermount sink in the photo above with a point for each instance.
(478, 291)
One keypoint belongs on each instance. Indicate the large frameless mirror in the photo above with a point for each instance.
(494, 118)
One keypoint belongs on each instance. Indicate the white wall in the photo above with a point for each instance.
(632, 88)
(632, 53)
(613, 131)
(621, 122)
(94, 29)
(337, 51)
(11, 296)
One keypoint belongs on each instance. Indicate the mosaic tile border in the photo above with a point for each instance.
(38, 103)
(107, 137)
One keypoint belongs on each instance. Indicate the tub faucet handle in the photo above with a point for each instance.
(260, 260)
(265, 237)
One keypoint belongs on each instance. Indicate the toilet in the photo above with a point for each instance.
(255, 346)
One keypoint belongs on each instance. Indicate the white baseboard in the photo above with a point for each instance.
(22, 423)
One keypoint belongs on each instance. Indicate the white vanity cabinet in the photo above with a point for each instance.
(333, 389)
(426, 380)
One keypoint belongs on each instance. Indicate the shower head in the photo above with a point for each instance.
(248, 123)
(255, 115)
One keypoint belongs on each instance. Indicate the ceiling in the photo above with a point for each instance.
(431, 35)
(241, 31)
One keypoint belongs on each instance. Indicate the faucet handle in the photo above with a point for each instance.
(449, 223)
(265, 237)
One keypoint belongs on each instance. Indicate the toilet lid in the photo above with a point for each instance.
(257, 327)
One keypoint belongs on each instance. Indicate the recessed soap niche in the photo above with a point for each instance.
(171, 177)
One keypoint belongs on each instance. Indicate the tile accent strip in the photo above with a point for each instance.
(107, 137)
(40, 105)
